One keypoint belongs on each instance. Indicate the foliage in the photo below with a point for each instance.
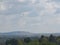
(43, 40)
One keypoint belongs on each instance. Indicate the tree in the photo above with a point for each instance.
(11, 42)
(41, 38)
(14, 42)
(7, 42)
(27, 40)
(58, 40)
(52, 38)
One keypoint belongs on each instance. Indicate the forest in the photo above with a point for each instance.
(42, 40)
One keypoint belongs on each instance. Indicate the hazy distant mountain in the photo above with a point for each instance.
(17, 34)
(26, 34)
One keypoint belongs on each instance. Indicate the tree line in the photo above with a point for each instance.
(43, 40)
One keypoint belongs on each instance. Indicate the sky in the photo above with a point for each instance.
(36, 16)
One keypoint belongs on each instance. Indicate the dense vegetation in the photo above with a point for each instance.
(43, 40)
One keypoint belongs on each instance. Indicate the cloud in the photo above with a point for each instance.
(2, 6)
(29, 15)
(58, 20)
(56, 0)
(21, 0)
(33, 1)
(25, 13)
(57, 11)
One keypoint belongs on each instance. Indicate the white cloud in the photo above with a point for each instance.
(33, 1)
(50, 7)
(21, 0)
(2, 6)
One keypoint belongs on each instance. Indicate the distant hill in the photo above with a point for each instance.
(25, 34)
(17, 34)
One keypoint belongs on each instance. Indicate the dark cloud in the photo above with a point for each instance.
(16, 7)
(56, 0)
(57, 11)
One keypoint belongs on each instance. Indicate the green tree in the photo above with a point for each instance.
(7, 42)
(14, 42)
(58, 41)
(41, 38)
(27, 40)
(11, 42)
(52, 38)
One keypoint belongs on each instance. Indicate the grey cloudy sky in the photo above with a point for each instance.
(36, 16)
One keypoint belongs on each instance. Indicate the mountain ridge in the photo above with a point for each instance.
(26, 34)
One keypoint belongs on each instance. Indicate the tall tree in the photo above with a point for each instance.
(41, 38)
(52, 38)
(7, 42)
